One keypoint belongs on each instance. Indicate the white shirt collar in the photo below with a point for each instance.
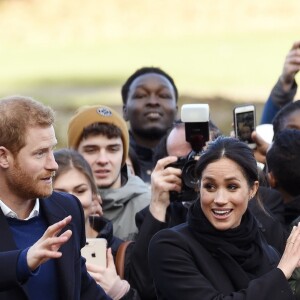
(10, 213)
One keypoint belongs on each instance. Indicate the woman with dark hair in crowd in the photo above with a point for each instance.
(220, 253)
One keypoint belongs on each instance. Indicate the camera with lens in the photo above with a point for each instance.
(196, 121)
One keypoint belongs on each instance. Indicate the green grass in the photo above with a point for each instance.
(231, 50)
(233, 63)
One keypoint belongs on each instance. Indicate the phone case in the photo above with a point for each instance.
(95, 251)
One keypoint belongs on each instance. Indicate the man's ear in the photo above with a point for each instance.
(125, 115)
(272, 180)
(4, 157)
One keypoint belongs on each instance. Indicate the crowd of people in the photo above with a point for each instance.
(234, 235)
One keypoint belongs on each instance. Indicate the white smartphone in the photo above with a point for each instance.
(94, 251)
(244, 123)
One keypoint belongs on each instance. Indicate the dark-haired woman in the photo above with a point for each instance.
(220, 252)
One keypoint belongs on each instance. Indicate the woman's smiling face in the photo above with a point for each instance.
(224, 193)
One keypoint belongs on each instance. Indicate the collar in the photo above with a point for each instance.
(11, 214)
(142, 152)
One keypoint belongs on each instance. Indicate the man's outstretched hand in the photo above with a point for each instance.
(48, 245)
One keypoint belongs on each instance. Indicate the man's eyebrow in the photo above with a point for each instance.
(90, 145)
(45, 148)
(161, 86)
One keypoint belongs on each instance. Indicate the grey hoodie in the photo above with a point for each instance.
(121, 204)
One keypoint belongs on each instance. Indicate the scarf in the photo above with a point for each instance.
(238, 250)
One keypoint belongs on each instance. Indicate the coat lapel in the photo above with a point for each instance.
(54, 212)
(7, 240)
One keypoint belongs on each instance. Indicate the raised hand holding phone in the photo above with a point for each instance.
(95, 251)
(244, 123)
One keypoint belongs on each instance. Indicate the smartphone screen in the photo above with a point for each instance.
(245, 123)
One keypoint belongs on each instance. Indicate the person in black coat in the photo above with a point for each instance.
(283, 163)
(164, 212)
(220, 253)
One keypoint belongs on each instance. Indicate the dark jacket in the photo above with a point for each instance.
(145, 159)
(138, 272)
(292, 218)
(184, 269)
(270, 219)
(74, 281)
(292, 212)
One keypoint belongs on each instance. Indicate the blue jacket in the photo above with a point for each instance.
(277, 99)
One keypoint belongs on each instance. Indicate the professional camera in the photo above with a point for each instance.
(196, 120)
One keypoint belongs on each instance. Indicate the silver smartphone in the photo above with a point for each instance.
(244, 123)
(94, 251)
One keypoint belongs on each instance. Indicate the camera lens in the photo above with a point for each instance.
(188, 175)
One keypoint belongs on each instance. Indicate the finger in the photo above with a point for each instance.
(96, 208)
(97, 276)
(57, 227)
(172, 171)
(53, 243)
(167, 183)
(162, 163)
(67, 234)
(291, 236)
(45, 249)
(94, 268)
(110, 258)
(99, 198)
(293, 58)
(296, 45)
(256, 138)
(260, 142)
(232, 133)
(47, 254)
(294, 243)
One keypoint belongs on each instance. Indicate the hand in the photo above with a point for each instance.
(48, 245)
(163, 180)
(291, 255)
(261, 149)
(96, 208)
(105, 277)
(291, 67)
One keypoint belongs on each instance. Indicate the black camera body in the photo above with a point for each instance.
(189, 183)
(196, 120)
